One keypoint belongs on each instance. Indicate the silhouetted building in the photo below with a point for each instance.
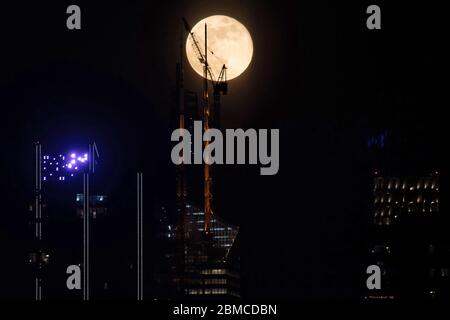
(56, 218)
(409, 237)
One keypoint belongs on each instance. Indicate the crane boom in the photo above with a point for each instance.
(220, 84)
(198, 51)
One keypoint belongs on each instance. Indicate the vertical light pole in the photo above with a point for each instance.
(140, 258)
(86, 236)
(93, 154)
(38, 221)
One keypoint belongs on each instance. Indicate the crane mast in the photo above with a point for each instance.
(207, 190)
(220, 86)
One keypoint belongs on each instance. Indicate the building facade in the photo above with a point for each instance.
(409, 241)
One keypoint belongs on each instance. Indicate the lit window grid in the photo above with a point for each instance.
(396, 196)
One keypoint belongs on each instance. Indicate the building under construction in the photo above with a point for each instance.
(191, 265)
(199, 250)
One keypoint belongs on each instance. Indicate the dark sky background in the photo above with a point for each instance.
(318, 74)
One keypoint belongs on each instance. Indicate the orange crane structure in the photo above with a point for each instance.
(220, 86)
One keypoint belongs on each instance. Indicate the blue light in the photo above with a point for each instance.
(58, 169)
(76, 161)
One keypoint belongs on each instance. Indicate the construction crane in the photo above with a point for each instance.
(220, 86)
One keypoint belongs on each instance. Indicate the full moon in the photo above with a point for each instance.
(229, 43)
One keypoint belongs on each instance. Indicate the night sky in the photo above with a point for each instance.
(317, 74)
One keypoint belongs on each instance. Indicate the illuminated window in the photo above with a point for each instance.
(194, 291)
(215, 281)
(419, 184)
(219, 291)
(218, 271)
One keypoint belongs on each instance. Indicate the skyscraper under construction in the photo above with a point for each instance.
(199, 251)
